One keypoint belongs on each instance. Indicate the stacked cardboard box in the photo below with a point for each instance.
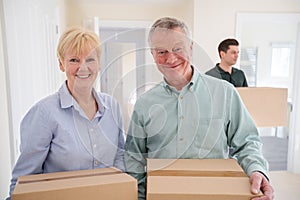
(105, 183)
(191, 179)
(267, 106)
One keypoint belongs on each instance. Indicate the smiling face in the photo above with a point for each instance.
(81, 69)
(171, 50)
(79, 53)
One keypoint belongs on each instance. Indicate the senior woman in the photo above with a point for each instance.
(76, 128)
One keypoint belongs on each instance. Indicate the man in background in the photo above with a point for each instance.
(229, 51)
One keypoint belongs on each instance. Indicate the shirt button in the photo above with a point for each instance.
(181, 139)
(181, 117)
(94, 145)
(181, 97)
(96, 162)
(91, 130)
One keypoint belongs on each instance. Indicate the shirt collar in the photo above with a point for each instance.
(170, 89)
(102, 105)
(194, 77)
(222, 71)
(67, 100)
(234, 70)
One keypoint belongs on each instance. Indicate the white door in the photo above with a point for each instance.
(123, 60)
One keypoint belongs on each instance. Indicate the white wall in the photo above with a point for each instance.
(32, 31)
(77, 11)
(5, 153)
(210, 21)
(294, 141)
(31, 28)
(216, 20)
(269, 29)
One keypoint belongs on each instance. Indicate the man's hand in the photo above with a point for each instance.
(259, 182)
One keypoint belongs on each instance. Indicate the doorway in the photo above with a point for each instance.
(123, 66)
(273, 64)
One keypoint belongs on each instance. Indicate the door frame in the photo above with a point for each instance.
(124, 24)
(293, 164)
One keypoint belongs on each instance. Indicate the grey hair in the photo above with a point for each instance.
(168, 23)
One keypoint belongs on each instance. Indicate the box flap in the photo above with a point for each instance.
(67, 175)
(194, 167)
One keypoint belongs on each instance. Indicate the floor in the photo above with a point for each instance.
(286, 185)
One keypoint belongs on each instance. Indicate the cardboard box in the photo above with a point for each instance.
(198, 188)
(194, 167)
(105, 183)
(267, 106)
(196, 179)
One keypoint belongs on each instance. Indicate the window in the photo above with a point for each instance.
(281, 60)
(248, 64)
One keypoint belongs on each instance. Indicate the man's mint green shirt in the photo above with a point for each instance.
(203, 120)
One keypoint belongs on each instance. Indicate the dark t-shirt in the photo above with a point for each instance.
(237, 77)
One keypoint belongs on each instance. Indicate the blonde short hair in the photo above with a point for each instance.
(76, 40)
